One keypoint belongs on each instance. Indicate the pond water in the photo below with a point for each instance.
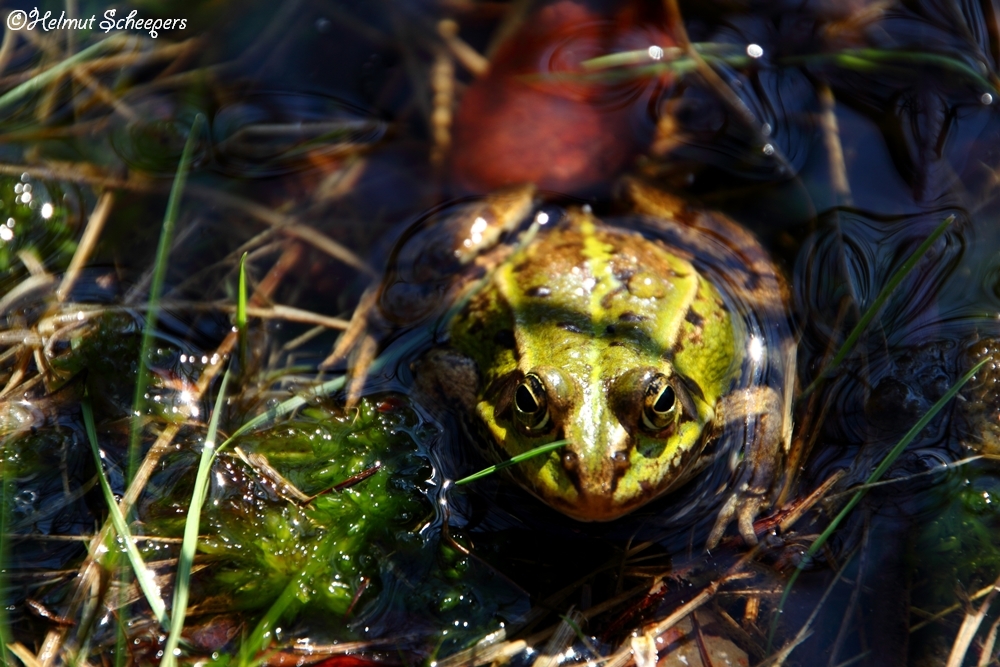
(338, 143)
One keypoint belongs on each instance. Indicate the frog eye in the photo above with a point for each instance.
(531, 409)
(660, 405)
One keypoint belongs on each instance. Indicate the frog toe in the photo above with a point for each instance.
(744, 508)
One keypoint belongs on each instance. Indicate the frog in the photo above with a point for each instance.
(653, 353)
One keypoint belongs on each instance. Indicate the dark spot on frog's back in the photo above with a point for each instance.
(570, 327)
(505, 338)
(694, 318)
(539, 291)
(623, 272)
(629, 316)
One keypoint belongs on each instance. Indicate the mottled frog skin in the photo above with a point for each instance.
(654, 352)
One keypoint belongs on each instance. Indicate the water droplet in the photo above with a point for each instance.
(322, 25)
(986, 99)
(754, 50)
(655, 53)
(768, 149)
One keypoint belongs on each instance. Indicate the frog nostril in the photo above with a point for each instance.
(570, 461)
(620, 462)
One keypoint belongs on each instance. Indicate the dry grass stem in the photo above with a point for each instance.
(469, 58)
(834, 148)
(443, 87)
(7, 48)
(106, 96)
(287, 224)
(95, 224)
(21, 651)
(970, 625)
(986, 654)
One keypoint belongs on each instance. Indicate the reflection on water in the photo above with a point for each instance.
(840, 134)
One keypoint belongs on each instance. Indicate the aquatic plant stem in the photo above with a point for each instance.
(192, 523)
(880, 470)
(877, 304)
(155, 290)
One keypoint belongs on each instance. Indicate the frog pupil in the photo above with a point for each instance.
(660, 404)
(665, 401)
(524, 400)
(531, 409)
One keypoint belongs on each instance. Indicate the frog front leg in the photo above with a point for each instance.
(764, 415)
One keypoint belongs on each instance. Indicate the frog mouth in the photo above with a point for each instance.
(602, 499)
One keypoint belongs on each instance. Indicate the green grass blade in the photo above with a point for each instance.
(155, 290)
(241, 313)
(880, 470)
(537, 451)
(192, 523)
(667, 55)
(877, 304)
(142, 575)
(871, 60)
(48, 76)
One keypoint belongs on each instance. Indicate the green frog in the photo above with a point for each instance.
(654, 352)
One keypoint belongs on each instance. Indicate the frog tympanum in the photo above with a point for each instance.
(655, 347)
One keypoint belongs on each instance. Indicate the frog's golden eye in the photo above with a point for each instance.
(660, 405)
(531, 409)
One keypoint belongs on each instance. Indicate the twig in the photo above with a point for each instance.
(464, 54)
(95, 224)
(834, 149)
(287, 224)
(7, 48)
(970, 626)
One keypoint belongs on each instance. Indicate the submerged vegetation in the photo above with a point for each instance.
(181, 245)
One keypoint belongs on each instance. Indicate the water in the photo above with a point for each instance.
(840, 135)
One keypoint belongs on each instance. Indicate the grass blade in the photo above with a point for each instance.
(537, 451)
(241, 312)
(48, 76)
(142, 575)
(880, 470)
(192, 524)
(156, 288)
(877, 304)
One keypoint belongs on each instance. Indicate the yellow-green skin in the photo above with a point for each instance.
(595, 312)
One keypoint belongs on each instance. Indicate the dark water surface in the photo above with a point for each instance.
(336, 136)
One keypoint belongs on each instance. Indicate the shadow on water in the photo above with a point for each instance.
(340, 137)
